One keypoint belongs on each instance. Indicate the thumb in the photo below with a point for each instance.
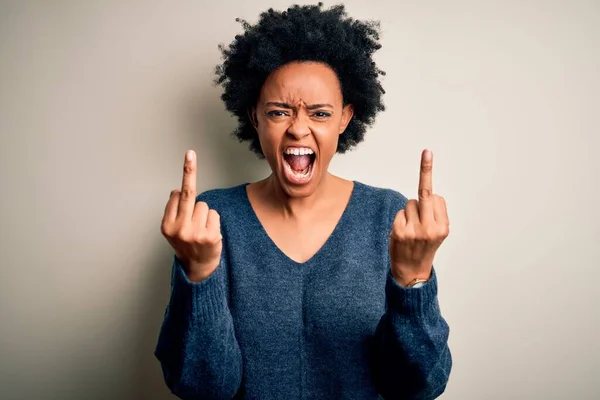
(213, 224)
(400, 220)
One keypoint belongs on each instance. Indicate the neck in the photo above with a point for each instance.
(291, 207)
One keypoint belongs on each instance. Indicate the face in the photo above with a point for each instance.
(299, 117)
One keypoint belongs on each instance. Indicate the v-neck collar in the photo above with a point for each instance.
(263, 232)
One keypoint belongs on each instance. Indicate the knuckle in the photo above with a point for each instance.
(430, 235)
(398, 236)
(424, 193)
(178, 235)
(202, 205)
(446, 230)
(200, 237)
(405, 233)
(188, 168)
(425, 233)
(426, 167)
(399, 220)
(165, 229)
(182, 235)
(205, 238)
(187, 194)
(174, 192)
(214, 238)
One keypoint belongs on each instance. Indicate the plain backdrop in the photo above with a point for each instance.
(100, 99)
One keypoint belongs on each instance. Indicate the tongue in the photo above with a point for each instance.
(298, 163)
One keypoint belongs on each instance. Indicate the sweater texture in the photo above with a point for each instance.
(337, 326)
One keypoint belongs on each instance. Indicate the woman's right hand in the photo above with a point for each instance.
(192, 229)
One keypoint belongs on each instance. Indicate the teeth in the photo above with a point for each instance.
(298, 151)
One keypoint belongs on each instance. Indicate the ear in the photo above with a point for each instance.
(347, 114)
(252, 117)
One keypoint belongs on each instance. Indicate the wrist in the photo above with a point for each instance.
(409, 278)
(198, 272)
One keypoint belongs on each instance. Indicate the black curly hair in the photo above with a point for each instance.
(303, 33)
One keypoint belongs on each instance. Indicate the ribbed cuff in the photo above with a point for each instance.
(198, 301)
(415, 302)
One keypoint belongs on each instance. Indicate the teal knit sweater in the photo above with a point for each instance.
(338, 326)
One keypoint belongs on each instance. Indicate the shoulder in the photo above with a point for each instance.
(385, 200)
(382, 195)
(223, 198)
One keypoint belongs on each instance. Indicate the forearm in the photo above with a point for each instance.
(197, 348)
(412, 357)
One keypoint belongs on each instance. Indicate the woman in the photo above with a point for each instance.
(303, 285)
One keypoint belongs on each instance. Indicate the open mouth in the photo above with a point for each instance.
(298, 164)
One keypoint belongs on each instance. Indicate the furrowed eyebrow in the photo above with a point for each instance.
(315, 106)
(277, 104)
(310, 107)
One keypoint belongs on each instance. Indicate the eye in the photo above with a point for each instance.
(277, 113)
(322, 114)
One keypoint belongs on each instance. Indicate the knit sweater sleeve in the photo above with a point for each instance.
(412, 359)
(197, 348)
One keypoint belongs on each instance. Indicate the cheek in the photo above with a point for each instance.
(270, 138)
(327, 139)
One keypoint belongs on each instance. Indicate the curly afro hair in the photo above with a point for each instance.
(303, 33)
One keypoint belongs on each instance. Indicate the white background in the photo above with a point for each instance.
(100, 99)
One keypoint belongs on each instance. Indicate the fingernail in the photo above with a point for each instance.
(427, 155)
(189, 155)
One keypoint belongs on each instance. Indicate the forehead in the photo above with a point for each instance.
(302, 82)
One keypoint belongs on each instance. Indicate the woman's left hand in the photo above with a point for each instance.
(418, 230)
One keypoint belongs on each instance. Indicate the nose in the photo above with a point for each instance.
(299, 127)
